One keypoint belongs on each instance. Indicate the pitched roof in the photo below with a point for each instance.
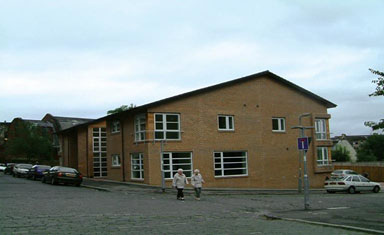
(68, 122)
(266, 73)
(39, 123)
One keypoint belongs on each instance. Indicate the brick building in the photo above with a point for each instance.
(238, 134)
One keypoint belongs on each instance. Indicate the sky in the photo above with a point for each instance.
(81, 58)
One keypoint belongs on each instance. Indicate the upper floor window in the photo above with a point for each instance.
(167, 126)
(322, 156)
(278, 124)
(140, 121)
(226, 123)
(115, 126)
(321, 129)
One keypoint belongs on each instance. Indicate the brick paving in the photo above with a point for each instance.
(30, 207)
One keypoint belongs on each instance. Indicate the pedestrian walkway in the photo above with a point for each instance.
(111, 185)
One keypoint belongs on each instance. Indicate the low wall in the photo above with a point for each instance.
(375, 170)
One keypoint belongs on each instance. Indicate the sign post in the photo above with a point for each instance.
(302, 145)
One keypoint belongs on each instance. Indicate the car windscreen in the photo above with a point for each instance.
(43, 167)
(67, 170)
(24, 166)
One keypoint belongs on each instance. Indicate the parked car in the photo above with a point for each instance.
(20, 170)
(2, 167)
(351, 184)
(60, 174)
(36, 172)
(342, 173)
(9, 168)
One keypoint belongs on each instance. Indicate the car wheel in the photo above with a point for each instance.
(329, 191)
(376, 189)
(13, 175)
(77, 185)
(43, 180)
(53, 181)
(351, 190)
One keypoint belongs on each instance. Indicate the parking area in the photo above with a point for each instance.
(28, 206)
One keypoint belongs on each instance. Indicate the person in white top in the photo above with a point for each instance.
(197, 183)
(179, 181)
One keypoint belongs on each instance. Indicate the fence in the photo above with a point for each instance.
(375, 170)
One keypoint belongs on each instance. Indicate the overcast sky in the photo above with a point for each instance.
(84, 57)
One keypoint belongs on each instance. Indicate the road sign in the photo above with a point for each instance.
(302, 143)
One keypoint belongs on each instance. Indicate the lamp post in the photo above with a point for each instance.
(304, 153)
(299, 183)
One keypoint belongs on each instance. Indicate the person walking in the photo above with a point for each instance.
(197, 183)
(179, 181)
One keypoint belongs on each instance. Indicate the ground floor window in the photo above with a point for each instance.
(137, 166)
(175, 160)
(230, 163)
(116, 162)
(322, 156)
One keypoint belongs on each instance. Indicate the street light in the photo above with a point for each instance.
(304, 153)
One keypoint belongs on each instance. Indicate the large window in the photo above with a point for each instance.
(140, 127)
(116, 162)
(175, 160)
(226, 123)
(100, 152)
(321, 129)
(115, 126)
(322, 156)
(278, 124)
(137, 166)
(167, 126)
(230, 164)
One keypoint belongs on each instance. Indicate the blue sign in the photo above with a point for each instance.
(302, 143)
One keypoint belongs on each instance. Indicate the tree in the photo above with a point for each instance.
(378, 92)
(30, 142)
(372, 149)
(341, 154)
(121, 109)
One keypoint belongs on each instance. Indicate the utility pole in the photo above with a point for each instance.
(303, 144)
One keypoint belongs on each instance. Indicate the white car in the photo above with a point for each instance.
(21, 169)
(341, 173)
(2, 167)
(351, 184)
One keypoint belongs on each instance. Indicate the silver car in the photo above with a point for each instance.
(351, 184)
(343, 172)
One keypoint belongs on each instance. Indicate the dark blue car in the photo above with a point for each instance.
(36, 172)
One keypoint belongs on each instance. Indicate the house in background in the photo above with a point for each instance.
(49, 124)
(351, 143)
(4, 127)
(238, 134)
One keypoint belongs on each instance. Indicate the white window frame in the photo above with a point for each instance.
(171, 163)
(280, 124)
(321, 129)
(229, 120)
(115, 126)
(323, 159)
(99, 148)
(116, 160)
(222, 163)
(164, 124)
(140, 158)
(139, 132)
